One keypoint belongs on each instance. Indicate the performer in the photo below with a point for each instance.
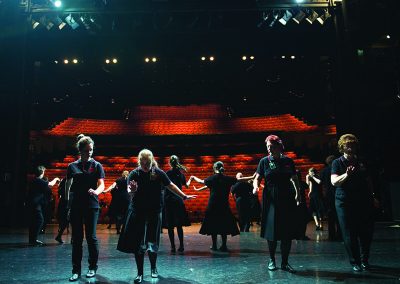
(120, 200)
(314, 194)
(279, 200)
(175, 210)
(354, 200)
(243, 191)
(218, 219)
(62, 211)
(39, 190)
(141, 231)
(85, 179)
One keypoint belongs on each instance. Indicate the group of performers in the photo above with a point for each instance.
(142, 198)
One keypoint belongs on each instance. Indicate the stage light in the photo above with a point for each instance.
(203, 58)
(56, 61)
(147, 59)
(283, 56)
(115, 60)
(212, 58)
(75, 61)
(265, 17)
(299, 17)
(388, 36)
(66, 61)
(244, 58)
(35, 24)
(321, 19)
(71, 21)
(57, 20)
(292, 57)
(286, 17)
(274, 19)
(312, 17)
(252, 57)
(154, 59)
(299, 1)
(57, 3)
(107, 61)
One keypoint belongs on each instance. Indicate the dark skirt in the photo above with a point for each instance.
(316, 206)
(141, 232)
(175, 214)
(279, 213)
(219, 221)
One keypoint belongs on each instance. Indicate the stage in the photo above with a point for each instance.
(316, 260)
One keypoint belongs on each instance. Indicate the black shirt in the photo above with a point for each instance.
(179, 179)
(85, 177)
(121, 188)
(242, 189)
(276, 171)
(148, 196)
(220, 186)
(38, 192)
(356, 184)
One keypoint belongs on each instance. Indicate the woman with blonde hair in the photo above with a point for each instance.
(141, 231)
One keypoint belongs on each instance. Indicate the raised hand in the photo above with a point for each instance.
(132, 186)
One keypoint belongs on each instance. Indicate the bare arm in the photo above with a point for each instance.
(111, 187)
(256, 183)
(172, 187)
(197, 179)
(296, 185)
(200, 188)
(54, 181)
(338, 180)
(68, 184)
(317, 180)
(247, 178)
(99, 189)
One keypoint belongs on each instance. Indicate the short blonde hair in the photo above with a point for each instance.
(125, 173)
(147, 155)
(346, 138)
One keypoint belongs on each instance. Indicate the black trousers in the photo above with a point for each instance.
(356, 223)
(334, 232)
(87, 217)
(36, 222)
(243, 207)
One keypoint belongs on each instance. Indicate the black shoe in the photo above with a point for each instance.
(36, 243)
(357, 268)
(173, 250)
(59, 240)
(138, 279)
(223, 248)
(91, 273)
(271, 265)
(213, 248)
(365, 265)
(74, 277)
(288, 268)
(154, 273)
(181, 249)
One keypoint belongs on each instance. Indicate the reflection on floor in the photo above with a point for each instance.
(316, 260)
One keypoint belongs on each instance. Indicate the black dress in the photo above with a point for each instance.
(243, 194)
(218, 219)
(142, 228)
(120, 198)
(176, 214)
(278, 218)
(316, 205)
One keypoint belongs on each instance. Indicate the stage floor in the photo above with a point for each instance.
(316, 261)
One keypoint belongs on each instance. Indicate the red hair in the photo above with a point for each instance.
(275, 140)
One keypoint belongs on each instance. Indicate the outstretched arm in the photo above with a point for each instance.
(197, 179)
(111, 187)
(54, 181)
(200, 188)
(248, 178)
(172, 187)
(99, 189)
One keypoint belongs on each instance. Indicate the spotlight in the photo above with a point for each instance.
(71, 21)
(274, 19)
(388, 36)
(286, 17)
(265, 17)
(57, 3)
(57, 20)
(283, 56)
(154, 59)
(75, 61)
(107, 61)
(299, 1)
(244, 58)
(299, 17)
(56, 61)
(321, 19)
(212, 58)
(147, 59)
(35, 24)
(66, 61)
(48, 24)
(203, 58)
(115, 60)
(312, 17)
(292, 57)
(252, 57)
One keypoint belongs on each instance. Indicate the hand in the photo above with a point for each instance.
(132, 186)
(256, 190)
(92, 192)
(298, 199)
(350, 170)
(189, 197)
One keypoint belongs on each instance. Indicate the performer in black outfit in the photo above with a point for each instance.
(243, 191)
(141, 231)
(314, 194)
(85, 179)
(354, 202)
(218, 219)
(62, 211)
(175, 210)
(302, 209)
(279, 200)
(120, 200)
(39, 190)
(328, 189)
